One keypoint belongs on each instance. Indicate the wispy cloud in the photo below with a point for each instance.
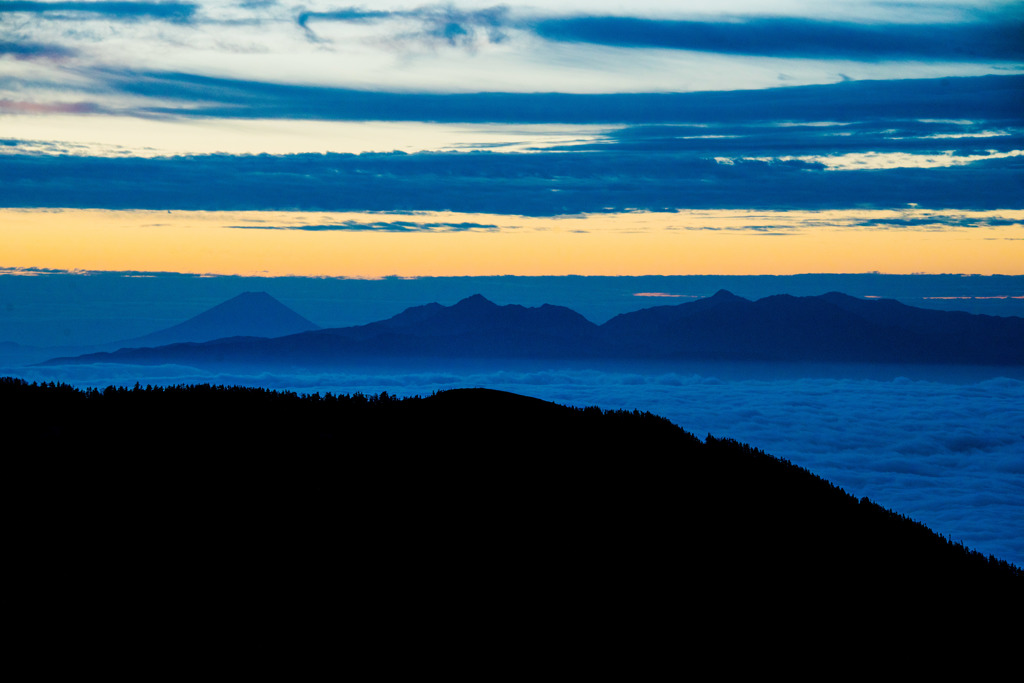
(663, 295)
(991, 35)
(995, 98)
(885, 160)
(15, 107)
(127, 11)
(30, 50)
(998, 38)
(444, 24)
(377, 226)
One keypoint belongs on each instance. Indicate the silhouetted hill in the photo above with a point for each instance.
(477, 327)
(250, 314)
(472, 328)
(464, 490)
(831, 327)
(828, 328)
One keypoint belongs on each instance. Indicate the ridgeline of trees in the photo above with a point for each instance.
(461, 490)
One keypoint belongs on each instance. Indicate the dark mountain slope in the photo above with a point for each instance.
(474, 486)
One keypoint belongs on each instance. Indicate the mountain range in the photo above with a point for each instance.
(832, 327)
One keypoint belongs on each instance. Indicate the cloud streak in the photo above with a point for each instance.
(998, 38)
(378, 226)
(127, 11)
(981, 37)
(998, 98)
(444, 24)
(29, 50)
(542, 183)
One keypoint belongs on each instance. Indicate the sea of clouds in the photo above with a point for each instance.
(948, 453)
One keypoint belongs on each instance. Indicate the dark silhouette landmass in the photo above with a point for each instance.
(255, 314)
(466, 490)
(250, 314)
(832, 327)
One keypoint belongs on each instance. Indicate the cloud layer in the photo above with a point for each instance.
(721, 107)
(991, 38)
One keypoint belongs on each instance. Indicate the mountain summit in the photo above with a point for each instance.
(478, 327)
(250, 314)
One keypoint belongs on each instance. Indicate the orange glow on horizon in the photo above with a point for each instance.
(449, 244)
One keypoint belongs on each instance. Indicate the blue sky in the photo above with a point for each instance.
(143, 78)
(545, 109)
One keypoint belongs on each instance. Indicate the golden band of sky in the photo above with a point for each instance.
(373, 245)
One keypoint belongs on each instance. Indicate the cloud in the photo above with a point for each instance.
(16, 107)
(29, 50)
(663, 295)
(455, 48)
(167, 11)
(379, 226)
(992, 98)
(939, 221)
(971, 36)
(852, 161)
(750, 149)
(433, 24)
(542, 183)
(998, 39)
(780, 139)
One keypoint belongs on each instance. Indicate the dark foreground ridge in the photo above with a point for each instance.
(464, 490)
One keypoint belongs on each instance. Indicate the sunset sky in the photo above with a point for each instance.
(467, 138)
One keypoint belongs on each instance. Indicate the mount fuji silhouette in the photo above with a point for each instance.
(250, 314)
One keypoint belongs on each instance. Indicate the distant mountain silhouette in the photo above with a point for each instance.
(832, 327)
(475, 327)
(250, 314)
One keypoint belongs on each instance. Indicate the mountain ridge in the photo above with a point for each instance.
(583, 486)
(833, 327)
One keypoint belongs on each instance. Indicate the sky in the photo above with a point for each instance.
(264, 138)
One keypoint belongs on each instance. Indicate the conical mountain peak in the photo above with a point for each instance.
(476, 301)
(249, 314)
